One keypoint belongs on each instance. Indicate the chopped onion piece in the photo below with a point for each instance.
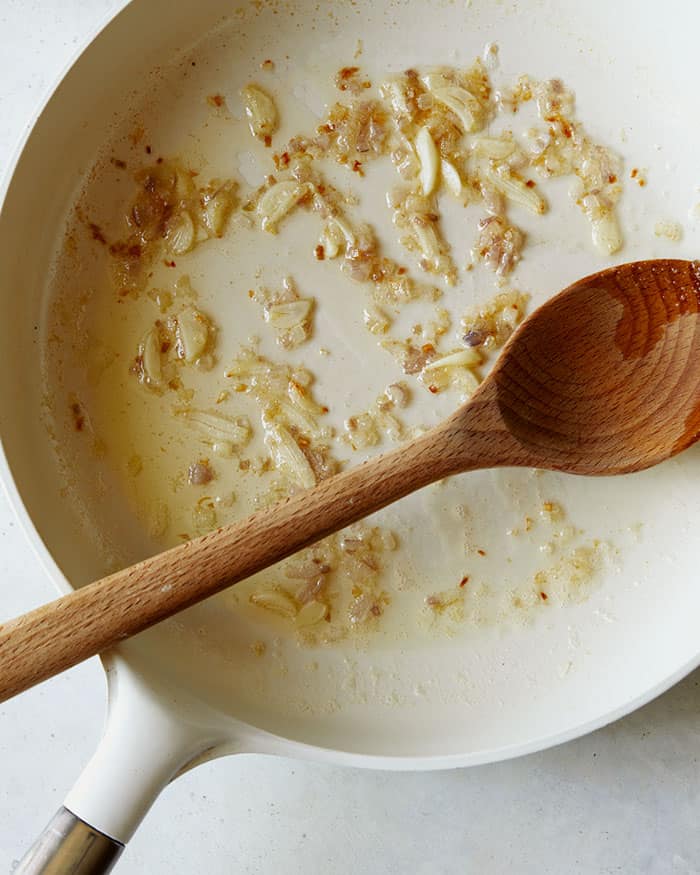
(496, 148)
(223, 449)
(376, 319)
(362, 431)
(199, 473)
(670, 230)
(398, 394)
(394, 91)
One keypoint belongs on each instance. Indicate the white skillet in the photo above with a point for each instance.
(178, 694)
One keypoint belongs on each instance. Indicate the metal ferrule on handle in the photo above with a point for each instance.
(69, 846)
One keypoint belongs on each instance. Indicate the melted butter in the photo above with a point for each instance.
(473, 526)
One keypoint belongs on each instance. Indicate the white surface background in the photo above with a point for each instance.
(624, 799)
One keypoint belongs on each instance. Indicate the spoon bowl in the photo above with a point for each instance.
(603, 379)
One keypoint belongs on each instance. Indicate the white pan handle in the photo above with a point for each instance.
(149, 738)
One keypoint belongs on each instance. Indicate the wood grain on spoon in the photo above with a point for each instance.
(603, 379)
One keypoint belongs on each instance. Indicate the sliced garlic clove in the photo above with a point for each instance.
(192, 334)
(260, 110)
(607, 237)
(180, 235)
(217, 208)
(149, 351)
(463, 104)
(289, 457)
(286, 316)
(451, 177)
(463, 358)
(219, 428)
(311, 614)
(275, 600)
(516, 190)
(429, 160)
(277, 202)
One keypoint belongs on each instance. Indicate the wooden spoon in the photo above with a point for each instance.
(603, 379)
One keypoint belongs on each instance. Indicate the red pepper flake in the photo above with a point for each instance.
(566, 129)
(78, 418)
(96, 232)
(169, 263)
(634, 173)
(343, 77)
(319, 252)
(544, 596)
(427, 348)
(118, 163)
(148, 150)
(464, 581)
(530, 183)
(281, 160)
(357, 168)
(165, 346)
(137, 134)
(481, 552)
(642, 183)
(612, 178)
(133, 250)
(159, 160)
(215, 100)
(267, 141)
(433, 389)
(401, 271)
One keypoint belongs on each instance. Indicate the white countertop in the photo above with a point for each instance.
(625, 799)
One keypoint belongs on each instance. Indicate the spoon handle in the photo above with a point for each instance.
(56, 636)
